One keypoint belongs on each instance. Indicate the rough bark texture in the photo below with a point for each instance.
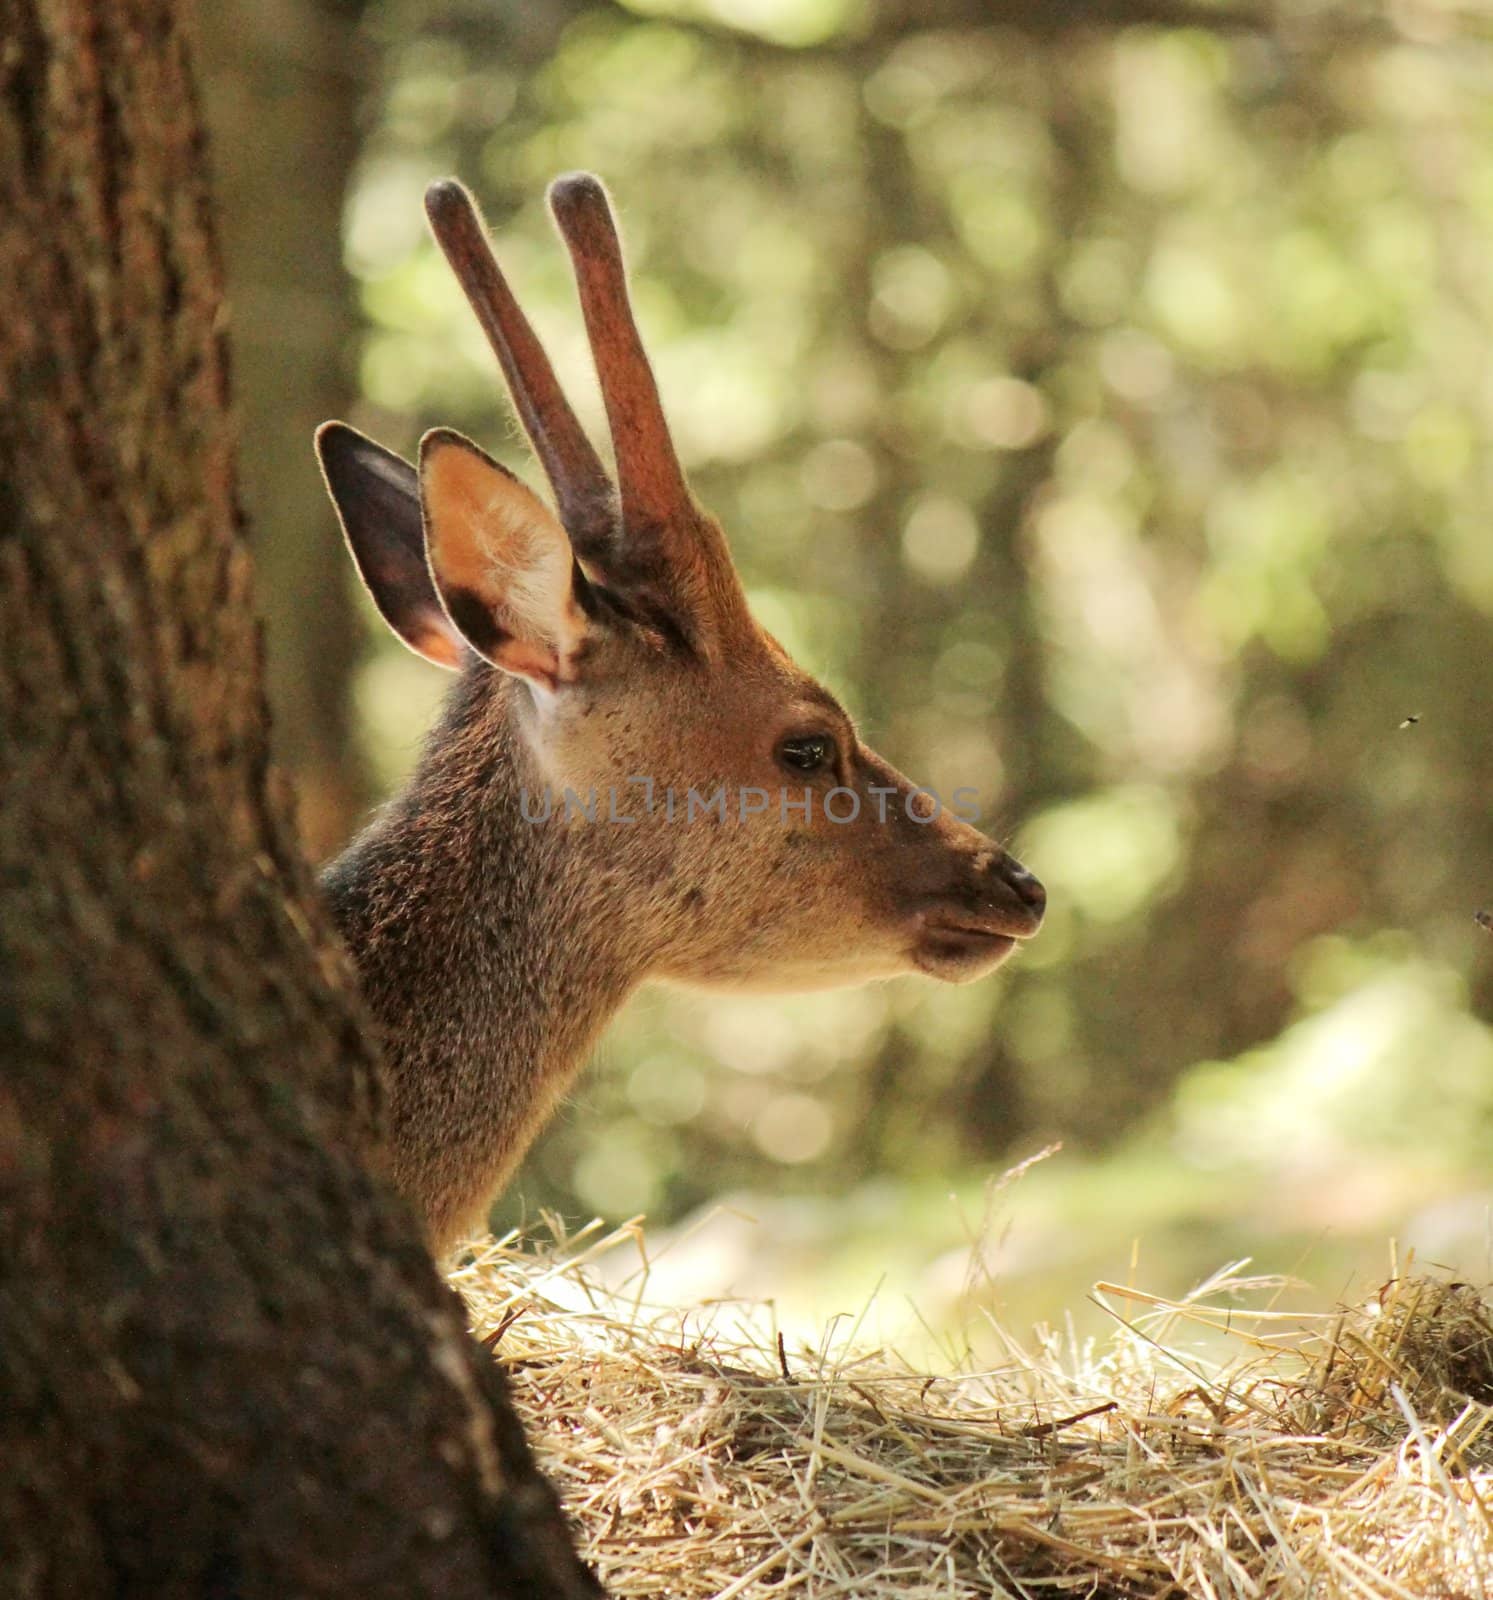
(226, 1365)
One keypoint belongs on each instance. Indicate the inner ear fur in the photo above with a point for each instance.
(500, 561)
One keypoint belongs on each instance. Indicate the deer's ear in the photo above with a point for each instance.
(501, 562)
(377, 496)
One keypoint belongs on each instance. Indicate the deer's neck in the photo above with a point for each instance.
(488, 961)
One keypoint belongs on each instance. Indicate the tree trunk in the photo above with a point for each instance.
(226, 1365)
(282, 80)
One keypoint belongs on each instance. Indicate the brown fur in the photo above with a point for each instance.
(494, 949)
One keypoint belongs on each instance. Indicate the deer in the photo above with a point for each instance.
(603, 647)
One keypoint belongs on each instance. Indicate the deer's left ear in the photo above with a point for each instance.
(501, 562)
(377, 497)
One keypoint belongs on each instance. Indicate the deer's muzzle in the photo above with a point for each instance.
(969, 930)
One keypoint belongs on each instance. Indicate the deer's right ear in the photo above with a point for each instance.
(501, 561)
(377, 496)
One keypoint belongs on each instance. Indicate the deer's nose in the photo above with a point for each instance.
(1028, 888)
(1019, 899)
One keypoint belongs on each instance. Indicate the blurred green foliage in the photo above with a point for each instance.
(1106, 412)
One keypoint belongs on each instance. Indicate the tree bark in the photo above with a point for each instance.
(226, 1365)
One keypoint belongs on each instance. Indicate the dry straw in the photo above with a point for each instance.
(1343, 1455)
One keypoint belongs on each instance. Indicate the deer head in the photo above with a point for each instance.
(606, 649)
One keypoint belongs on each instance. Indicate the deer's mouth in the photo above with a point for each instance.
(968, 932)
(958, 951)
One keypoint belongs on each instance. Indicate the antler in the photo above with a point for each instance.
(655, 496)
(661, 542)
(583, 492)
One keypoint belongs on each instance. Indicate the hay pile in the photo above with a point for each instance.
(1346, 1455)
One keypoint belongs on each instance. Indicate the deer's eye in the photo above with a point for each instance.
(807, 752)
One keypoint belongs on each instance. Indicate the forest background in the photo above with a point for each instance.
(1099, 397)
